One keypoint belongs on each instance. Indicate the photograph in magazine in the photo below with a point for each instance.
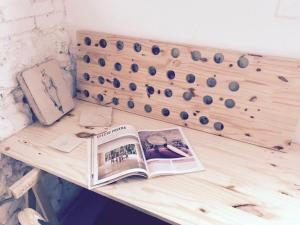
(123, 151)
(118, 156)
(167, 151)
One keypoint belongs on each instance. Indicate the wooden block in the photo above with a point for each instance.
(22, 186)
(46, 92)
(247, 97)
(30, 217)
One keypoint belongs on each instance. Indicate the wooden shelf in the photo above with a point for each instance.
(242, 184)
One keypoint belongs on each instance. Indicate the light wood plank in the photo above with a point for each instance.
(242, 184)
(23, 185)
(29, 217)
(267, 105)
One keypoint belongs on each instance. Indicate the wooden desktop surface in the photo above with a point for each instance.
(242, 184)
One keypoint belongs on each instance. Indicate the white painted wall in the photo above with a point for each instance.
(257, 26)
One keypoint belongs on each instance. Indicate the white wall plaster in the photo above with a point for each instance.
(289, 9)
(250, 26)
(31, 32)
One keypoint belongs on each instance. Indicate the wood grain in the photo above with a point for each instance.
(267, 103)
(23, 185)
(243, 184)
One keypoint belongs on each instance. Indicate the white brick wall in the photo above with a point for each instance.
(31, 31)
(58, 5)
(16, 27)
(18, 9)
(49, 20)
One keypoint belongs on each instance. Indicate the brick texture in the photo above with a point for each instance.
(31, 32)
(16, 27)
(27, 8)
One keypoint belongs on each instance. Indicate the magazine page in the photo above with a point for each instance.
(168, 152)
(117, 153)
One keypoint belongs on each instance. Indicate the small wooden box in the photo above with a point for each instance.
(46, 92)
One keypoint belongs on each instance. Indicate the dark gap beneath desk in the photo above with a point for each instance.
(93, 209)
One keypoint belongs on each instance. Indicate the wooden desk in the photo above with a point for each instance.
(242, 184)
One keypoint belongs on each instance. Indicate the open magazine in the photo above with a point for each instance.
(123, 151)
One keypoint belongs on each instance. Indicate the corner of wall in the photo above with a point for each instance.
(31, 32)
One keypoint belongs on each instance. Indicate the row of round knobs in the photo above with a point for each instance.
(190, 78)
(165, 111)
(135, 68)
(242, 62)
(187, 95)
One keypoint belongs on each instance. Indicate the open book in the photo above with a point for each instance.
(123, 151)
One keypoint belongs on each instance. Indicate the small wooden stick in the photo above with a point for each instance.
(23, 185)
(31, 181)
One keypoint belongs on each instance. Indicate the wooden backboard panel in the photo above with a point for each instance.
(247, 97)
